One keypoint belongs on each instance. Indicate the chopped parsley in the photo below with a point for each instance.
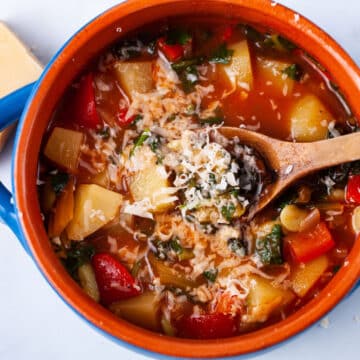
(293, 71)
(59, 181)
(269, 247)
(140, 141)
(154, 144)
(222, 55)
(228, 211)
(189, 77)
(210, 275)
(174, 245)
(182, 253)
(237, 246)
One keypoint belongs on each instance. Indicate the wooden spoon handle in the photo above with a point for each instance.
(303, 158)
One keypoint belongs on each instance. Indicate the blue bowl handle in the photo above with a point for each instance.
(11, 107)
(8, 215)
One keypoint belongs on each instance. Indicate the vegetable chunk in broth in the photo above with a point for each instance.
(143, 199)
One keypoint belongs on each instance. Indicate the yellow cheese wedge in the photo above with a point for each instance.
(18, 67)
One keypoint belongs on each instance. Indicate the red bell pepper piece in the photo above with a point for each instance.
(228, 32)
(84, 104)
(122, 119)
(208, 326)
(306, 246)
(353, 189)
(113, 279)
(173, 52)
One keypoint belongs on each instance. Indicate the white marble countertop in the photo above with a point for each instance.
(34, 322)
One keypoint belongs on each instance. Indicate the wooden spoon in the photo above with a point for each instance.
(291, 161)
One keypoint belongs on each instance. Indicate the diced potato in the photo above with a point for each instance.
(292, 216)
(356, 220)
(135, 76)
(169, 276)
(239, 70)
(271, 73)
(64, 210)
(304, 276)
(88, 281)
(151, 183)
(264, 299)
(63, 148)
(94, 207)
(142, 310)
(309, 119)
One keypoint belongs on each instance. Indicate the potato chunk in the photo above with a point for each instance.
(170, 276)
(63, 148)
(264, 298)
(152, 183)
(304, 276)
(239, 71)
(94, 207)
(271, 73)
(134, 76)
(141, 310)
(309, 119)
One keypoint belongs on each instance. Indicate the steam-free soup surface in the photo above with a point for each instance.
(143, 198)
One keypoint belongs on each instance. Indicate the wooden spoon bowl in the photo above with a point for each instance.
(291, 161)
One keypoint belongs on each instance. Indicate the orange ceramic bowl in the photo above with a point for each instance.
(86, 44)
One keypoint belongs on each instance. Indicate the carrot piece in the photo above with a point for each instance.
(306, 246)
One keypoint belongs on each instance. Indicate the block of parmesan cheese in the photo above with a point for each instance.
(18, 67)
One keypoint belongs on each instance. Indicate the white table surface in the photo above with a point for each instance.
(34, 322)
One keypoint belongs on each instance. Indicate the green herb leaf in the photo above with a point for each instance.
(138, 117)
(293, 72)
(183, 64)
(237, 246)
(212, 178)
(59, 181)
(212, 120)
(140, 141)
(228, 211)
(222, 55)
(269, 247)
(178, 36)
(189, 77)
(78, 254)
(174, 245)
(211, 274)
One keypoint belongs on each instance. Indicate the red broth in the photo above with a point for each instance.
(143, 198)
